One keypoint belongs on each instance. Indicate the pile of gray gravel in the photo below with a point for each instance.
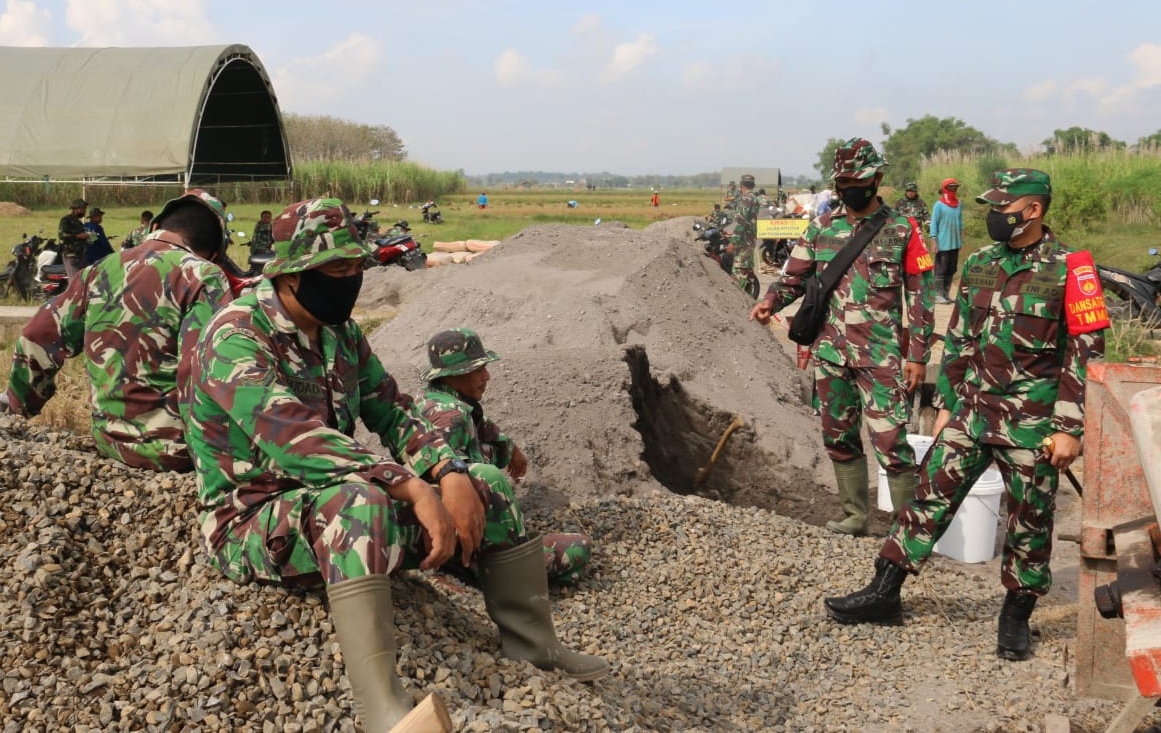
(711, 615)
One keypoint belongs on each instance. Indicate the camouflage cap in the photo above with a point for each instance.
(196, 195)
(911, 186)
(857, 159)
(457, 351)
(1009, 184)
(96, 211)
(79, 204)
(310, 234)
(747, 180)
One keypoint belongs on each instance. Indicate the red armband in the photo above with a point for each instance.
(917, 259)
(1084, 300)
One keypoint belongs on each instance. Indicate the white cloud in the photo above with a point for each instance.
(141, 22)
(511, 68)
(308, 84)
(628, 56)
(24, 24)
(1147, 58)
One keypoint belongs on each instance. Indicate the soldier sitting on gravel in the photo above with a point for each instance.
(288, 496)
(451, 403)
(136, 317)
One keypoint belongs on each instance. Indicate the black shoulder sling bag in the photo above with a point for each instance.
(807, 322)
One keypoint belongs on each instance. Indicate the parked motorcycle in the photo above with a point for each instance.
(19, 275)
(51, 278)
(431, 213)
(1131, 294)
(242, 281)
(366, 225)
(714, 244)
(400, 250)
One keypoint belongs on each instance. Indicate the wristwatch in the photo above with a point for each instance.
(455, 465)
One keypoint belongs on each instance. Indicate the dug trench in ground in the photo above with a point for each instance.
(625, 354)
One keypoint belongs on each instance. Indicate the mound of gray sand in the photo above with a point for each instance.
(625, 354)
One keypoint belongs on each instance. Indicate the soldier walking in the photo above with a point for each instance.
(1028, 319)
(860, 366)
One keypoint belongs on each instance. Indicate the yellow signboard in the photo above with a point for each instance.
(781, 228)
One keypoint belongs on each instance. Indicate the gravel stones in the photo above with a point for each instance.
(711, 615)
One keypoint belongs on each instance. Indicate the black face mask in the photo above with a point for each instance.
(329, 299)
(1004, 227)
(858, 198)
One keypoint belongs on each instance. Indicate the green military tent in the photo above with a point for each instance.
(195, 115)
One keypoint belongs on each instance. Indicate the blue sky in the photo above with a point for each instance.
(659, 87)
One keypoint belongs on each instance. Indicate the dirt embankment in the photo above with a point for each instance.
(625, 355)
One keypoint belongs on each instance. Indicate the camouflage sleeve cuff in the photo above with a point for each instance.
(429, 456)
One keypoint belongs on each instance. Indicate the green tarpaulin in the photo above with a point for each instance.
(195, 115)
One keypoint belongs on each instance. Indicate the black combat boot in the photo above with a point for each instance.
(1014, 639)
(877, 603)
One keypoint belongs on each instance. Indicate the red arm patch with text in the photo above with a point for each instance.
(917, 259)
(1084, 300)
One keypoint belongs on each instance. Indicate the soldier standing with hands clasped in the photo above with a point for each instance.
(745, 238)
(1028, 319)
(860, 367)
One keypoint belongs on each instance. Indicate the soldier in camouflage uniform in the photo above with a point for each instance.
(731, 196)
(136, 318)
(744, 238)
(263, 239)
(288, 496)
(1011, 390)
(73, 237)
(456, 382)
(137, 236)
(865, 361)
(399, 227)
(913, 206)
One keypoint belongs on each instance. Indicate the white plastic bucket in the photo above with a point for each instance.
(921, 444)
(971, 536)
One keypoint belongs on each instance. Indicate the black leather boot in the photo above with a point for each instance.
(1014, 639)
(877, 603)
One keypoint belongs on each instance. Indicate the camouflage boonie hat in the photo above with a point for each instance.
(911, 186)
(457, 351)
(1009, 184)
(197, 195)
(858, 159)
(310, 234)
(747, 180)
(79, 204)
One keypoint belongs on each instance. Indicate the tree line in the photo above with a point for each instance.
(907, 147)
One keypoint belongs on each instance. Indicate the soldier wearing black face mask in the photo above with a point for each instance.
(866, 363)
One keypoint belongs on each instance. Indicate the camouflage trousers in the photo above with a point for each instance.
(844, 396)
(304, 536)
(156, 454)
(743, 270)
(949, 470)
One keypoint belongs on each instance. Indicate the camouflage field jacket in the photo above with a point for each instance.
(137, 317)
(1009, 360)
(864, 325)
(269, 411)
(461, 423)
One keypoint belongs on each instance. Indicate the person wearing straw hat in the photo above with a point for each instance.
(289, 497)
(1028, 318)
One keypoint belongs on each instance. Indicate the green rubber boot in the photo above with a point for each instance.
(902, 487)
(854, 496)
(364, 618)
(515, 590)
